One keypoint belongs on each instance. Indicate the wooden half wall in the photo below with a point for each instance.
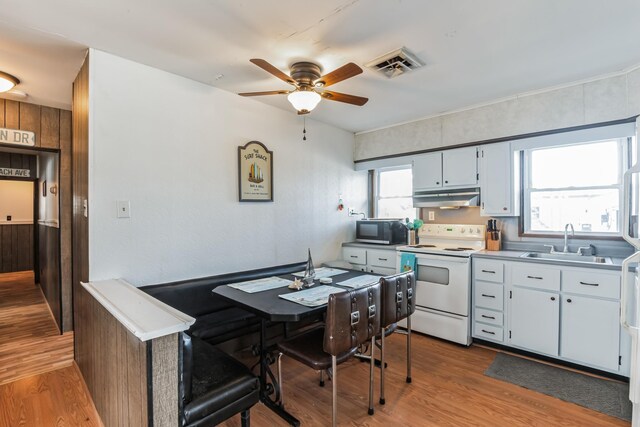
(132, 382)
(52, 127)
(16, 248)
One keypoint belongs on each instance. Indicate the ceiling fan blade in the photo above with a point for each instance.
(345, 72)
(270, 92)
(343, 97)
(272, 70)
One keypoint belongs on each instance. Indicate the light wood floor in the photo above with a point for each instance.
(56, 398)
(30, 342)
(448, 389)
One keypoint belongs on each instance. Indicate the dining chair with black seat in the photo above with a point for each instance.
(398, 303)
(353, 318)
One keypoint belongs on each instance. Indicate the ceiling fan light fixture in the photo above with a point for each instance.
(7, 82)
(304, 100)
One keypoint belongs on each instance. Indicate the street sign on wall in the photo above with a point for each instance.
(17, 137)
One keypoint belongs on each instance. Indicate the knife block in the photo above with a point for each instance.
(492, 244)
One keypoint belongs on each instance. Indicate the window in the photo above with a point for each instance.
(393, 199)
(579, 184)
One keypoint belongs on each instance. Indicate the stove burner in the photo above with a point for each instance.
(423, 246)
(466, 249)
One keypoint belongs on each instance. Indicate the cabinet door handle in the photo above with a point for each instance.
(446, 182)
(589, 284)
(437, 182)
(569, 300)
(534, 277)
(488, 332)
(489, 271)
(382, 259)
(488, 317)
(353, 256)
(488, 296)
(553, 298)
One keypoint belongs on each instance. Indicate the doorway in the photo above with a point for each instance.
(29, 221)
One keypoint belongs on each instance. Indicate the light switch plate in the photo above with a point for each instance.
(432, 216)
(124, 208)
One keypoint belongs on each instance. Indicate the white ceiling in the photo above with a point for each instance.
(474, 51)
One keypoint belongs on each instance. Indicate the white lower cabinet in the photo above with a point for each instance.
(534, 320)
(590, 331)
(570, 313)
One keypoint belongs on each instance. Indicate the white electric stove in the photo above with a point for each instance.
(443, 279)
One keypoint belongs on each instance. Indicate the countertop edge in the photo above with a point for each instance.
(371, 246)
(111, 295)
(516, 256)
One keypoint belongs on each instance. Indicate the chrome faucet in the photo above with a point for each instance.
(566, 237)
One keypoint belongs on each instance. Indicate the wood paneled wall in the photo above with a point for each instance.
(52, 127)
(16, 248)
(80, 184)
(113, 363)
(19, 161)
(49, 249)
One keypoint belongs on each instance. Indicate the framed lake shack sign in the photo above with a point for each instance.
(255, 173)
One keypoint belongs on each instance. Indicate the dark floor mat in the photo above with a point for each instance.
(608, 397)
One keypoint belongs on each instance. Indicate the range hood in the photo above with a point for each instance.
(446, 198)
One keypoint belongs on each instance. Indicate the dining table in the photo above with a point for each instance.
(270, 307)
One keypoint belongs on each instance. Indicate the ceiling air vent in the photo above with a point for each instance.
(395, 63)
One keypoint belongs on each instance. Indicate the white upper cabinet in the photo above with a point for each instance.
(498, 174)
(460, 167)
(427, 171)
(446, 169)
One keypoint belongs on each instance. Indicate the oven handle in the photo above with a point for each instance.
(425, 259)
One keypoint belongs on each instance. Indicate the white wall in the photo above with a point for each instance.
(48, 206)
(16, 199)
(169, 145)
(600, 100)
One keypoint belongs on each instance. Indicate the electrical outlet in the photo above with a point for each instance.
(432, 216)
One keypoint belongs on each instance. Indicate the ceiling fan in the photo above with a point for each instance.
(310, 84)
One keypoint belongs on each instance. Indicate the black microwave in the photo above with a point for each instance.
(381, 231)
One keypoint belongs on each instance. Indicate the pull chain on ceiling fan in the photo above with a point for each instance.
(310, 84)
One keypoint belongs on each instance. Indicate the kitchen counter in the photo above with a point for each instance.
(372, 246)
(516, 256)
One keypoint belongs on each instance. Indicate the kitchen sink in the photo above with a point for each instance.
(559, 256)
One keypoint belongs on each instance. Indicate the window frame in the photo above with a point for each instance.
(376, 192)
(625, 145)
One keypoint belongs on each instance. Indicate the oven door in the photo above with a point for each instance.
(443, 283)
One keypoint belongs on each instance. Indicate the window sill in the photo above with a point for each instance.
(615, 237)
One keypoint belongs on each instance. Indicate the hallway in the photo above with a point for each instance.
(29, 339)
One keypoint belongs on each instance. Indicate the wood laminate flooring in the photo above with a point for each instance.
(449, 388)
(54, 399)
(30, 342)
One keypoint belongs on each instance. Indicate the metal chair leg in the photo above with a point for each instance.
(321, 378)
(382, 364)
(245, 418)
(409, 349)
(371, 365)
(280, 379)
(334, 382)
